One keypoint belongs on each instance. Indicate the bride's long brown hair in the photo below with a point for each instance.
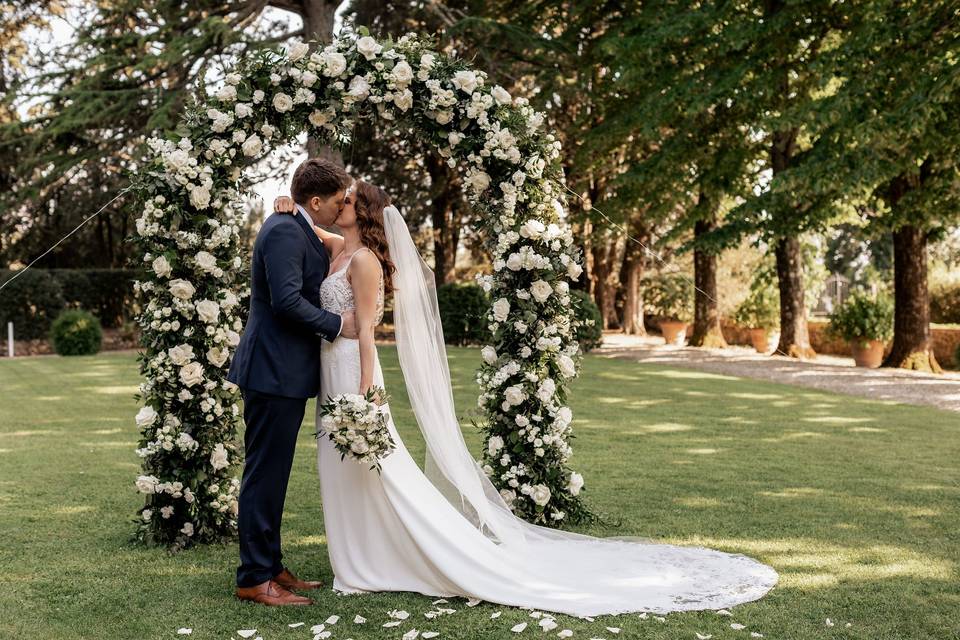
(370, 203)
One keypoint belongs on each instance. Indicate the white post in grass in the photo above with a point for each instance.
(10, 339)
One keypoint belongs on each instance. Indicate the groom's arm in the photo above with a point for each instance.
(283, 255)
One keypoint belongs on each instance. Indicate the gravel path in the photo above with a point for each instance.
(828, 373)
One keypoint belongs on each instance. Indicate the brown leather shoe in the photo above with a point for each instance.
(289, 581)
(271, 594)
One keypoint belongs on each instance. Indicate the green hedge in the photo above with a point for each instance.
(38, 296)
(76, 333)
(463, 312)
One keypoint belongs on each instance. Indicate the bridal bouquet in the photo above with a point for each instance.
(357, 426)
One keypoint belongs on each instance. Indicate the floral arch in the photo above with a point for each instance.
(194, 283)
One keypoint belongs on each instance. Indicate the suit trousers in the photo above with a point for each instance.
(272, 424)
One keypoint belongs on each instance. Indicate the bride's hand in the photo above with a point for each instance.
(283, 204)
(376, 396)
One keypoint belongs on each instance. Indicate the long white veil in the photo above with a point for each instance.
(423, 360)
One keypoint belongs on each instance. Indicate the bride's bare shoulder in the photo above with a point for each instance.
(364, 265)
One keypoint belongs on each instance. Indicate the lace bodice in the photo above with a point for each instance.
(336, 294)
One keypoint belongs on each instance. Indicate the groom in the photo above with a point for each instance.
(277, 367)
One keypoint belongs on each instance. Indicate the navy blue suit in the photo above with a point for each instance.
(277, 367)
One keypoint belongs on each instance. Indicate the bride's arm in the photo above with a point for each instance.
(364, 276)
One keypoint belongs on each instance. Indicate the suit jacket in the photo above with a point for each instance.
(279, 352)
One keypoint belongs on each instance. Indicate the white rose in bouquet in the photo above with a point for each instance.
(500, 95)
(334, 63)
(403, 100)
(359, 88)
(282, 102)
(575, 484)
(217, 356)
(574, 270)
(161, 266)
(466, 81)
(540, 494)
(181, 354)
(200, 196)
(541, 290)
(206, 261)
(501, 309)
(191, 374)
(208, 310)
(297, 51)
(308, 79)
(494, 444)
(402, 73)
(489, 354)
(227, 94)
(181, 289)
(514, 395)
(146, 416)
(219, 457)
(566, 365)
(252, 146)
(368, 47)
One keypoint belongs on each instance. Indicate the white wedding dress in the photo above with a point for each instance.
(407, 530)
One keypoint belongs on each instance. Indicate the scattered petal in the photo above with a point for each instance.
(294, 625)
(411, 635)
(333, 619)
(566, 633)
(359, 619)
(643, 616)
(440, 601)
(430, 615)
(246, 633)
(495, 614)
(535, 614)
(754, 634)
(429, 634)
(848, 625)
(659, 618)
(317, 628)
(394, 623)
(472, 602)
(547, 624)
(613, 629)
(517, 628)
(184, 631)
(829, 622)
(736, 626)
(447, 611)
(724, 612)
(398, 614)
(704, 636)
(323, 635)
(587, 618)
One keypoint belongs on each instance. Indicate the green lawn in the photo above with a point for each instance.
(855, 503)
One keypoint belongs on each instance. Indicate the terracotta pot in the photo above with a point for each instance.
(674, 332)
(867, 353)
(764, 340)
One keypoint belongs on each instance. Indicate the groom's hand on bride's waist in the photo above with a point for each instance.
(348, 329)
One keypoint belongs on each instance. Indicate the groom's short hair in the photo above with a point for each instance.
(318, 177)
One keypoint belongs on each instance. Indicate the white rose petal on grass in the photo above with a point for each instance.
(828, 622)
(754, 634)
(441, 601)
(566, 633)
(736, 626)
(517, 628)
(246, 633)
(184, 632)
(613, 629)
(704, 636)
(398, 614)
(359, 619)
(317, 628)
(547, 624)
(495, 614)
(411, 635)
(429, 634)
(332, 620)
(294, 625)
(724, 612)
(393, 623)
(472, 602)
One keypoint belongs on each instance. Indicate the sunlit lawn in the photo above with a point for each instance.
(855, 503)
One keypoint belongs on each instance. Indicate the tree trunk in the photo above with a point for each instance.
(630, 276)
(706, 318)
(912, 348)
(794, 337)
(318, 18)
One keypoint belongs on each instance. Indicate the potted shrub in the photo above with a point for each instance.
(760, 313)
(670, 296)
(867, 323)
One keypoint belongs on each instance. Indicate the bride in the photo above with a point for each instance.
(445, 530)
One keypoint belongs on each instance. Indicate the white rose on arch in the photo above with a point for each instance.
(575, 483)
(501, 309)
(219, 457)
(146, 416)
(208, 310)
(541, 290)
(192, 374)
(368, 47)
(540, 494)
(181, 289)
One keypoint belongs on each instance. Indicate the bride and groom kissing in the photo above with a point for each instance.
(441, 531)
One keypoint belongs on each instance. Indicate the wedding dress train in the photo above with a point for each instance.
(405, 530)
